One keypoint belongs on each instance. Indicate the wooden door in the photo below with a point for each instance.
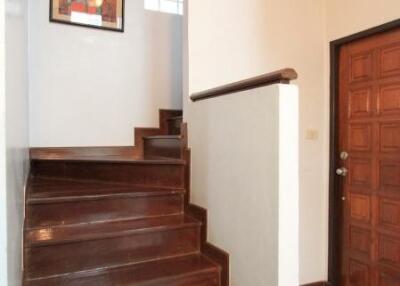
(369, 131)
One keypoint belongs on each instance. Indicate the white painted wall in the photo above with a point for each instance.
(341, 20)
(13, 138)
(91, 87)
(3, 202)
(252, 173)
(17, 134)
(230, 40)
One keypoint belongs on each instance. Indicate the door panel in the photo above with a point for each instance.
(369, 131)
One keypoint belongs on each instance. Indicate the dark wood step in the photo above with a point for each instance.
(51, 252)
(62, 152)
(76, 202)
(191, 270)
(164, 173)
(109, 216)
(162, 146)
(43, 190)
(91, 231)
(174, 125)
(166, 116)
(163, 129)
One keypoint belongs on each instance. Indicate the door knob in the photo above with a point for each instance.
(342, 171)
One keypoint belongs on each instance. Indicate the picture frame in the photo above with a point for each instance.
(98, 14)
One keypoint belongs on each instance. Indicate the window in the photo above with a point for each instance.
(166, 6)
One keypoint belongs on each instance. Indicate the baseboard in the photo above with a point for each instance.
(321, 283)
(211, 251)
(214, 253)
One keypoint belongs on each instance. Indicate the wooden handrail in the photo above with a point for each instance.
(280, 76)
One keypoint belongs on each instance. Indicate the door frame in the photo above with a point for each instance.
(335, 207)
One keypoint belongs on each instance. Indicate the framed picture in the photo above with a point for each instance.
(100, 14)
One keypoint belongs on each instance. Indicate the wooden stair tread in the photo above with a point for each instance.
(107, 159)
(91, 231)
(157, 272)
(39, 152)
(175, 118)
(162, 146)
(60, 183)
(172, 137)
(153, 172)
(46, 190)
(110, 216)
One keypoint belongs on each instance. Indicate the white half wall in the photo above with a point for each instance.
(231, 40)
(91, 87)
(288, 132)
(244, 168)
(17, 133)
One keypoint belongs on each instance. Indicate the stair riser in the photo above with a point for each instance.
(174, 126)
(160, 147)
(199, 279)
(74, 212)
(157, 175)
(165, 116)
(85, 255)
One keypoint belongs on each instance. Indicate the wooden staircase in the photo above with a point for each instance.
(119, 216)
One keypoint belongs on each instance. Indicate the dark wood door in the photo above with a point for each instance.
(369, 131)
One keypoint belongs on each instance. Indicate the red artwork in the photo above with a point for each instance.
(109, 11)
(106, 8)
(101, 14)
(78, 7)
(64, 7)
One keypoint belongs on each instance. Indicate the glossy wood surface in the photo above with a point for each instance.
(369, 130)
(193, 270)
(40, 236)
(56, 207)
(62, 152)
(162, 146)
(280, 76)
(109, 251)
(167, 126)
(117, 219)
(174, 125)
(144, 172)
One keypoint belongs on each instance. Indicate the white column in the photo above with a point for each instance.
(288, 186)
